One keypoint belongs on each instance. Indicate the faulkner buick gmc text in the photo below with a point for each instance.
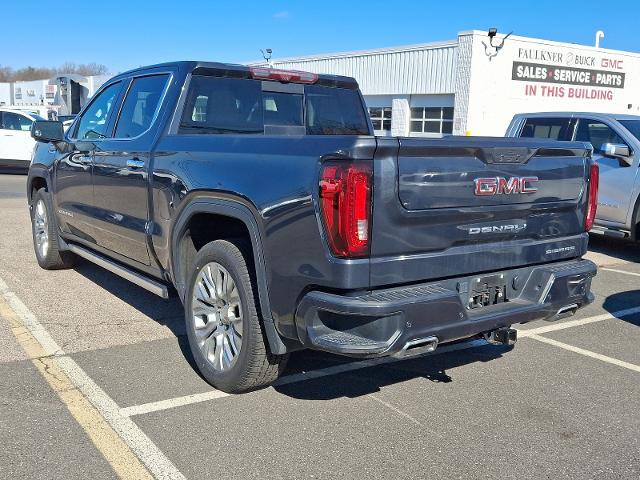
(262, 197)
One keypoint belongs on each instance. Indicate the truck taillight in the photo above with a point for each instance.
(592, 204)
(345, 207)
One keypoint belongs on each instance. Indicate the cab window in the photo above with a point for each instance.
(140, 106)
(596, 133)
(95, 120)
(551, 128)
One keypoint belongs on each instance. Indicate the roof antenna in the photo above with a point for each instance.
(266, 54)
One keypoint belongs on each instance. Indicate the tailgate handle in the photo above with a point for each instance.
(509, 155)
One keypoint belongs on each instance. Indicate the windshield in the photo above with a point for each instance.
(633, 126)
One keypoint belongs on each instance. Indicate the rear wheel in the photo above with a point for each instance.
(223, 325)
(46, 243)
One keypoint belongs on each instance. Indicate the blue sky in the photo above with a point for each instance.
(127, 34)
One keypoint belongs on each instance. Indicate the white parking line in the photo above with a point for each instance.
(148, 453)
(289, 379)
(171, 403)
(360, 364)
(620, 271)
(576, 323)
(588, 353)
(395, 409)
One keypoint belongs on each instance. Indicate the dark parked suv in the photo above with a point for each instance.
(264, 199)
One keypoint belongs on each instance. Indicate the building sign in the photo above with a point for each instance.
(579, 76)
(536, 72)
(18, 93)
(51, 91)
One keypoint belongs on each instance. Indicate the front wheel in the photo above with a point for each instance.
(223, 326)
(45, 234)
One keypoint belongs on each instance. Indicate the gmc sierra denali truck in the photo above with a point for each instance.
(263, 197)
(616, 148)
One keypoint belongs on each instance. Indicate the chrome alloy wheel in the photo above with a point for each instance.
(41, 228)
(217, 316)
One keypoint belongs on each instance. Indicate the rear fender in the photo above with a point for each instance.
(235, 209)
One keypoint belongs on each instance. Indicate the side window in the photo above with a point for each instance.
(335, 111)
(15, 121)
(225, 105)
(94, 121)
(551, 128)
(597, 133)
(140, 106)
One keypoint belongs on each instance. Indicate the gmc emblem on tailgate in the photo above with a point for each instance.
(502, 186)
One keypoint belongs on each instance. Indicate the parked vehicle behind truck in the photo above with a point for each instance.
(16, 144)
(263, 197)
(616, 146)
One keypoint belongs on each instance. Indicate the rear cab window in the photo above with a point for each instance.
(552, 128)
(219, 105)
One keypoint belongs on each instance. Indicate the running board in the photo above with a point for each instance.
(134, 277)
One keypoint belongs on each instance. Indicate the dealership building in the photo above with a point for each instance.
(472, 85)
(469, 87)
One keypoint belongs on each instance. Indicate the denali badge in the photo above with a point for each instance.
(505, 228)
(502, 186)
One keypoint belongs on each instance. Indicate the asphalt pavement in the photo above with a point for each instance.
(96, 381)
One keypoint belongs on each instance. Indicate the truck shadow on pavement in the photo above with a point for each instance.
(365, 381)
(616, 248)
(354, 383)
(169, 313)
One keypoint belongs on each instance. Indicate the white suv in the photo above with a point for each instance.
(16, 144)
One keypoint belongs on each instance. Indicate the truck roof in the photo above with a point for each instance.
(217, 68)
(594, 115)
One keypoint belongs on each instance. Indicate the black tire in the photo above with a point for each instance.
(255, 367)
(49, 258)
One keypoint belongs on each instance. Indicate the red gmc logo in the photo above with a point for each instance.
(502, 186)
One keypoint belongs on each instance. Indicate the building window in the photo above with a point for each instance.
(432, 120)
(381, 118)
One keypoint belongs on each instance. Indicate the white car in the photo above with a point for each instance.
(16, 144)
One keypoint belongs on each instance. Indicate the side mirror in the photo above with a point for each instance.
(619, 151)
(47, 131)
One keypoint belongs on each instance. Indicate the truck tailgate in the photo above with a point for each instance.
(458, 205)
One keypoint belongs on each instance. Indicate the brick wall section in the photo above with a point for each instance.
(400, 117)
(463, 83)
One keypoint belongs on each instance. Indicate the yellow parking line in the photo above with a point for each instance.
(123, 461)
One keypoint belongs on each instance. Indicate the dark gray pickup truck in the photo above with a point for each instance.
(262, 197)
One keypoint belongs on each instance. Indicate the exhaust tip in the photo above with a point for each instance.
(418, 346)
(567, 310)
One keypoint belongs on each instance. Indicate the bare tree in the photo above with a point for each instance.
(8, 74)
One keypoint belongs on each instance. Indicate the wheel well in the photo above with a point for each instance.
(635, 221)
(36, 184)
(203, 228)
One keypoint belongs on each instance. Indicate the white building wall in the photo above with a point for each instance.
(5, 93)
(94, 82)
(416, 69)
(500, 87)
(30, 93)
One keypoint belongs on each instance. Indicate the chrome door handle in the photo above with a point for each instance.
(135, 163)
